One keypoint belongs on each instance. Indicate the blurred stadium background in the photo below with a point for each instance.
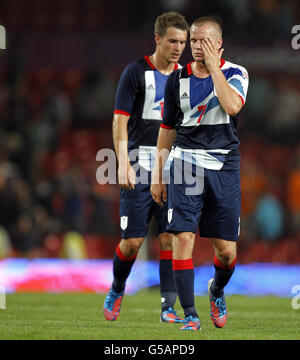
(57, 83)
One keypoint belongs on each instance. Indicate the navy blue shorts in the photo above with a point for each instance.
(215, 209)
(136, 210)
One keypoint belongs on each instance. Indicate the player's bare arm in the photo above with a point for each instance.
(229, 99)
(165, 141)
(126, 174)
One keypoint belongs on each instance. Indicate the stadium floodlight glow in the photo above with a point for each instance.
(2, 37)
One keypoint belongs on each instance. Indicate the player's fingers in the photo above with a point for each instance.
(203, 45)
(131, 185)
(124, 186)
(205, 48)
(210, 46)
(131, 178)
(209, 43)
(156, 195)
(157, 198)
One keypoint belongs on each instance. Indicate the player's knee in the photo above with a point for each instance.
(165, 240)
(185, 237)
(226, 255)
(183, 244)
(131, 246)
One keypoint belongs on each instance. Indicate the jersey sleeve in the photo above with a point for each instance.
(127, 89)
(239, 82)
(170, 103)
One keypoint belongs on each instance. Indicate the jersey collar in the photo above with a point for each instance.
(146, 57)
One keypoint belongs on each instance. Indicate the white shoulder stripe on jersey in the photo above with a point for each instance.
(184, 95)
(149, 103)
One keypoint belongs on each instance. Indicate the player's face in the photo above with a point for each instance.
(171, 44)
(197, 34)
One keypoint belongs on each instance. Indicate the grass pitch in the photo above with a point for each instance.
(79, 316)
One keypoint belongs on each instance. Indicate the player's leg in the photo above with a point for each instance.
(134, 214)
(167, 284)
(220, 221)
(183, 217)
(124, 258)
(183, 268)
(224, 263)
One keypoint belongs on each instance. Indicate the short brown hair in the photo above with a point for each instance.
(170, 19)
(209, 19)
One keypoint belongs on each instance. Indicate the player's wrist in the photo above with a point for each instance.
(214, 69)
(156, 178)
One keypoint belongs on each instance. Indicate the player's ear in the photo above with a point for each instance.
(220, 43)
(157, 38)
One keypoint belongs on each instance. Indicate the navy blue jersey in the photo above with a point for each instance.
(140, 94)
(192, 107)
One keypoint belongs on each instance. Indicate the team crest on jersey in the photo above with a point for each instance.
(124, 222)
(170, 215)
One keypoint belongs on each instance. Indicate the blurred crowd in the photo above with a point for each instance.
(258, 17)
(53, 123)
(52, 126)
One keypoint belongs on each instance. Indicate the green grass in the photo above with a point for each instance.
(79, 316)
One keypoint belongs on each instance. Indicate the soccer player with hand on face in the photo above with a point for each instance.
(202, 102)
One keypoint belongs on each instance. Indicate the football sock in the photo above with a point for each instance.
(222, 276)
(121, 269)
(184, 281)
(167, 283)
